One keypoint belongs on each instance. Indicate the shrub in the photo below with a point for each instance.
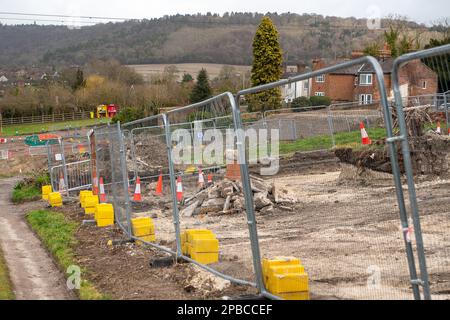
(128, 114)
(301, 102)
(320, 101)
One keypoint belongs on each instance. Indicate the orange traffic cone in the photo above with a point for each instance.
(137, 192)
(102, 191)
(210, 178)
(201, 178)
(95, 184)
(62, 185)
(159, 186)
(179, 189)
(364, 136)
(438, 129)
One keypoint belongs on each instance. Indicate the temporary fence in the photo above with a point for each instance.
(428, 251)
(68, 159)
(346, 235)
(46, 118)
(348, 246)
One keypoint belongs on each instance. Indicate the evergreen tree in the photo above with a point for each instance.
(202, 89)
(79, 80)
(267, 61)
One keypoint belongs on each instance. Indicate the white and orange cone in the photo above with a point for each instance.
(210, 178)
(102, 191)
(137, 192)
(179, 189)
(364, 136)
(201, 178)
(95, 184)
(159, 185)
(438, 128)
(62, 184)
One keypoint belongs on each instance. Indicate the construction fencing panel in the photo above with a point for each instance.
(111, 169)
(148, 170)
(425, 156)
(338, 219)
(210, 188)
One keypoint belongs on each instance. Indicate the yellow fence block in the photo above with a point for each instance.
(288, 283)
(83, 195)
(201, 245)
(286, 277)
(105, 222)
(205, 258)
(46, 190)
(294, 296)
(90, 204)
(143, 226)
(204, 245)
(104, 211)
(55, 199)
(189, 234)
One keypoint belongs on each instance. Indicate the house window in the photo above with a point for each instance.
(424, 84)
(365, 79)
(320, 94)
(365, 99)
(320, 79)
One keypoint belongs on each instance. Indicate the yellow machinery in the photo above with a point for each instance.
(102, 111)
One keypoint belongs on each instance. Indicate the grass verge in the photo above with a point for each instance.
(342, 140)
(29, 189)
(58, 235)
(6, 292)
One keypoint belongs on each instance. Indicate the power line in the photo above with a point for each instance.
(63, 16)
(48, 20)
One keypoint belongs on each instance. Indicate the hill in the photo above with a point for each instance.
(208, 38)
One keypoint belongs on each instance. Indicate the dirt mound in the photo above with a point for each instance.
(430, 155)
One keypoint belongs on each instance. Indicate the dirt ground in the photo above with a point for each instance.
(123, 271)
(346, 232)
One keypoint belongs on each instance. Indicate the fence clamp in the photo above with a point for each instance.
(418, 282)
(395, 139)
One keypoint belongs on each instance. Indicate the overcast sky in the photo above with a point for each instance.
(419, 10)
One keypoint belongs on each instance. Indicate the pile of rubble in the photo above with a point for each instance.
(227, 197)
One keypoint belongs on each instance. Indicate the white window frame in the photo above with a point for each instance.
(365, 79)
(320, 79)
(320, 94)
(365, 99)
(424, 84)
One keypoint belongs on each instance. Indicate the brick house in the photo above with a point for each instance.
(358, 82)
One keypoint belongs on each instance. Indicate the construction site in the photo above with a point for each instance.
(340, 202)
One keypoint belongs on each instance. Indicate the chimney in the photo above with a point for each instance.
(301, 67)
(385, 53)
(357, 54)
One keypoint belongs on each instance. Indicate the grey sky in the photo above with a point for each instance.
(418, 10)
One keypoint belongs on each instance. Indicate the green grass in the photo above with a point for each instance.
(25, 193)
(23, 129)
(343, 140)
(29, 189)
(6, 292)
(58, 235)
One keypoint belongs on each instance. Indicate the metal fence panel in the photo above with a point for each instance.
(346, 235)
(430, 242)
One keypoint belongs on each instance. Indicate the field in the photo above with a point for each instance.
(22, 129)
(149, 70)
(6, 292)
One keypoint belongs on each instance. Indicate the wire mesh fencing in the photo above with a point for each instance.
(340, 220)
(425, 157)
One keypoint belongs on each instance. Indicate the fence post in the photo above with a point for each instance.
(176, 216)
(123, 165)
(446, 113)
(330, 126)
(251, 219)
(63, 156)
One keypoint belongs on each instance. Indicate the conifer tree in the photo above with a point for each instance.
(202, 89)
(267, 62)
